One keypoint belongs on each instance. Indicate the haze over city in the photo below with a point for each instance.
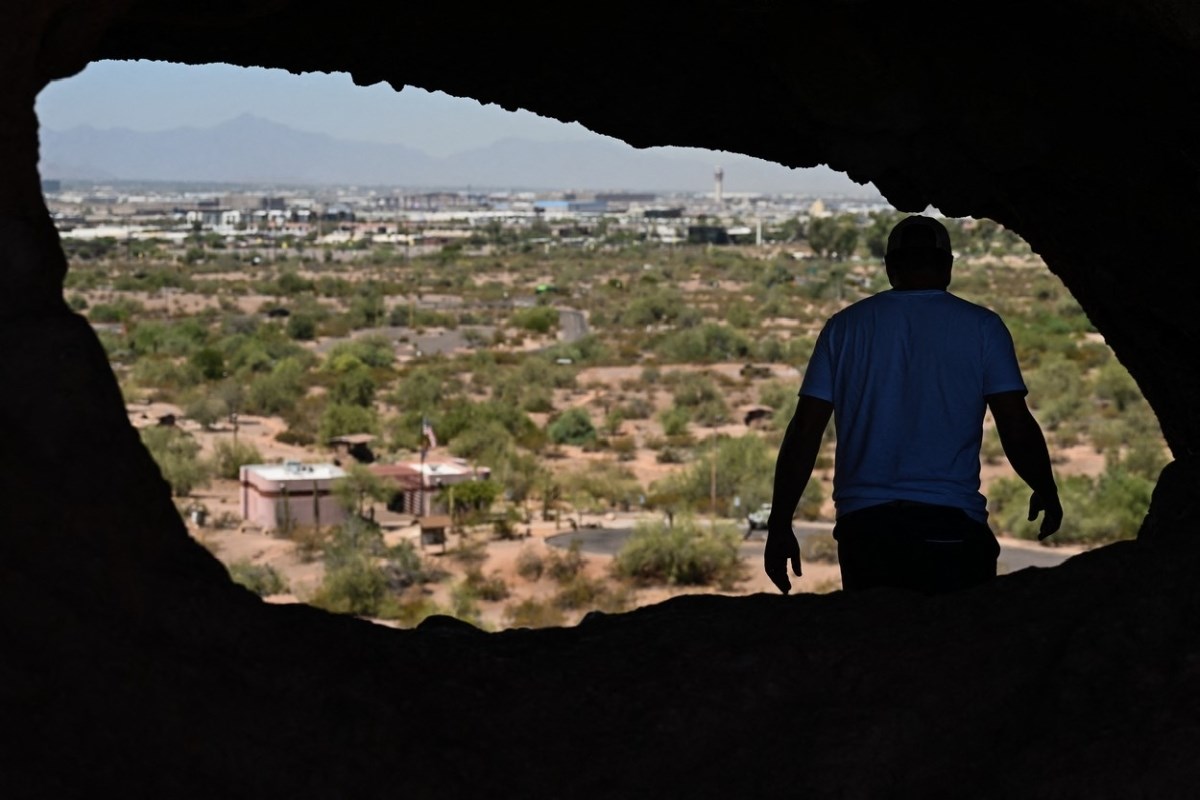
(141, 107)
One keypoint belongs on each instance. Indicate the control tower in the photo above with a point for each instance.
(719, 179)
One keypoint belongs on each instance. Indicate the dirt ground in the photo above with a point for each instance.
(249, 544)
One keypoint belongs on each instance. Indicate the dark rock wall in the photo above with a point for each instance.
(130, 662)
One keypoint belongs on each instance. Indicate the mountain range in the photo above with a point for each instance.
(249, 149)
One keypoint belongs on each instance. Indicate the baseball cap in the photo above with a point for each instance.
(919, 233)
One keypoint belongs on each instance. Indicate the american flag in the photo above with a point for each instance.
(427, 432)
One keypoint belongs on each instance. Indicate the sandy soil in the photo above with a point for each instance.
(246, 543)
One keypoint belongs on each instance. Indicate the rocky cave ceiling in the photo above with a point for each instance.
(132, 663)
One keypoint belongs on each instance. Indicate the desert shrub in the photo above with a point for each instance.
(537, 400)
(744, 468)
(579, 592)
(491, 589)
(670, 455)
(693, 388)
(470, 496)
(991, 449)
(703, 344)
(411, 613)
(464, 603)
(303, 421)
(205, 409)
(530, 613)
(1097, 510)
(820, 547)
(302, 327)
(530, 564)
(373, 350)
(637, 408)
(682, 554)
(177, 456)
(277, 390)
(163, 373)
(811, 500)
(262, 579)
(539, 319)
(404, 566)
(229, 457)
(564, 566)
(358, 586)
(354, 386)
(471, 553)
(624, 447)
(340, 419)
(310, 541)
(675, 421)
(119, 311)
(209, 363)
(776, 393)
(353, 539)
(573, 426)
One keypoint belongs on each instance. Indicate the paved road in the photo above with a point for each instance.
(607, 541)
(572, 324)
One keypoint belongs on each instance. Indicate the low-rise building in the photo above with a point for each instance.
(291, 494)
(418, 484)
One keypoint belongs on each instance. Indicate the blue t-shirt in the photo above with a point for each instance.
(907, 373)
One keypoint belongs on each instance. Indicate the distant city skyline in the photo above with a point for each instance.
(156, 96)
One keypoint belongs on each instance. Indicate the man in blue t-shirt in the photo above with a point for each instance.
(907, 376)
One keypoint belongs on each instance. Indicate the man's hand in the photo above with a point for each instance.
(781, 548)
(1053, 513)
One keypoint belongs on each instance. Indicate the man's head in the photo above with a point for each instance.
(918, 254)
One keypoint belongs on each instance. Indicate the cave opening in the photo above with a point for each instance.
(1107, 444)
(129, 652)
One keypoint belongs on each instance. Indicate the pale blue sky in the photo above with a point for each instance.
(157, 96)
(152, 96)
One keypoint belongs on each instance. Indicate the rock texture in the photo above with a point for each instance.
(132, 665)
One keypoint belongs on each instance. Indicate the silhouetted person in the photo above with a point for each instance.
(907, 375)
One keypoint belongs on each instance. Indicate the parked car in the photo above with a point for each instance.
(756, 520)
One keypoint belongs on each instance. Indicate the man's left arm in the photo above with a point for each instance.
(1025, 447)
(793, 468)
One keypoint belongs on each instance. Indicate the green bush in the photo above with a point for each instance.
(683, 554)
(819, 547)
(582, 592)
(302, 327)
(1096, 511)
(573, 426)
(675, 421)
(177, 456)
(358, 586)
(539, 319)
(229, 457)
(491, 589)
(531, 613)
(278, 390)
(564, 567)
(262, 579)
(340, 419)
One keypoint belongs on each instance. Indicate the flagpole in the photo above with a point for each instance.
(421, 492)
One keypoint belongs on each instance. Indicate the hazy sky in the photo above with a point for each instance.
(152, 96)
(157, 96)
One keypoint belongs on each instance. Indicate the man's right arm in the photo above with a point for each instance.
(794, 466)
(1025, 447)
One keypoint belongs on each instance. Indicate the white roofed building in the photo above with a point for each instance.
(291, 494)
